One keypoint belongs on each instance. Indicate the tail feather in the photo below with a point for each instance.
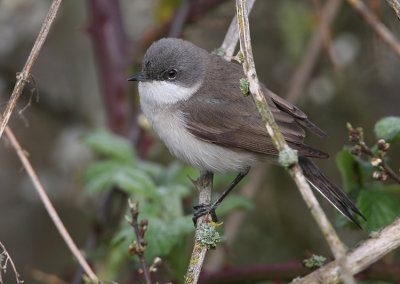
(329, 190)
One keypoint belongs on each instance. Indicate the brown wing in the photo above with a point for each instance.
(220, 114)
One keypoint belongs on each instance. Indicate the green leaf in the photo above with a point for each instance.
(102, 176)
(296, 21)
(161, 235)
(379, 207)
(388, 128)
(110, 145)
(349, 168)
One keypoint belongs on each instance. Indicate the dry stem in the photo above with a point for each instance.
(280, 143)
(359, 259)
(5, 256)
(232, 35)
(49, 206)
(377, 25)
(395, 4)
(23, 77)
(204, 184)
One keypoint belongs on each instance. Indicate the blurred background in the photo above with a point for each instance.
(80, 86)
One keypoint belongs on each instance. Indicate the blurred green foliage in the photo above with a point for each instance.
(297, 22)
(159, 190)
(378, 202)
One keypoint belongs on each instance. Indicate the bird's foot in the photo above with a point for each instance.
(205, 209)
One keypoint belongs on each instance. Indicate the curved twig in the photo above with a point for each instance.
(23, 77)
(49, 206)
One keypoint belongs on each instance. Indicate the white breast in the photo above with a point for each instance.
(157, 100)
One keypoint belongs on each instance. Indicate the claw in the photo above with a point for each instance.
(204, 209)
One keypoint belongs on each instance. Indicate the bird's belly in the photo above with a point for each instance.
(170, 127)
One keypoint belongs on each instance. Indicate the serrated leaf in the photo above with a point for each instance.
(102, 176)
(110, 145)
(388, 128)
(379, 207)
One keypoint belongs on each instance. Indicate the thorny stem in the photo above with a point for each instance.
(8, 258)
(49, 206)
(281, 145)
(141, 243)
(23, 77)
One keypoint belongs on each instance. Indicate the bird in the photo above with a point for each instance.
(193, 100)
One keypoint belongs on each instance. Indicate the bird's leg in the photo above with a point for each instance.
(203, 209)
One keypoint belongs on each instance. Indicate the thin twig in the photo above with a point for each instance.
(281, 145)
(395, 4)
(303, 71)
(49, 206)
(377, 25)
(204, 184)
(23, 77)
(384, 171)
(359, 259)
(139, 246)
(5, 257)
(232, 35)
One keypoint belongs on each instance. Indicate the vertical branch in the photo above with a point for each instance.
(23, 77)
(232, 35)
(49, 207)
(287, 156)
(110, 46)
(204, 184)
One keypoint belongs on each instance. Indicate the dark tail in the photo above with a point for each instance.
(329, 190)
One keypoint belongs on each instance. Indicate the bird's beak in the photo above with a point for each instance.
(138, 77)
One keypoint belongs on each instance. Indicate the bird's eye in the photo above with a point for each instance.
(171, 74)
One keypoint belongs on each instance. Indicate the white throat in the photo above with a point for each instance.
(164, 92)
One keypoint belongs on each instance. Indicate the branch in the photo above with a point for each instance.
(284, 272)
(303, 71)
(140, 245)
(110, 46)
(395, 4)
(359, 259)
(287, 156)
(4, 258)
(23, 77)
(232, 35)
(204, 184)
(379, 28)
(49, 206)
